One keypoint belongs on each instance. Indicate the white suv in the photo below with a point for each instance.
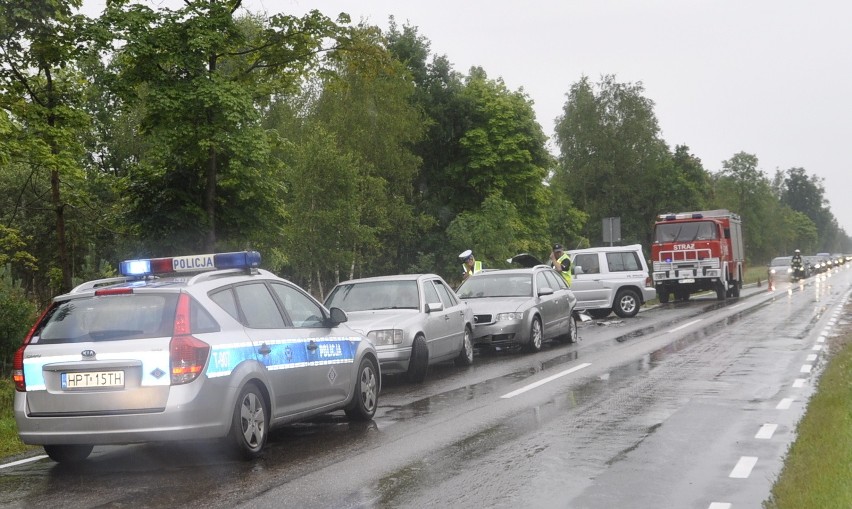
(610, 279)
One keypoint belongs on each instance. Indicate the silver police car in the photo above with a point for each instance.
(193, 347)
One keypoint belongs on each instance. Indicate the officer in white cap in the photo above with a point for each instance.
(470, 265)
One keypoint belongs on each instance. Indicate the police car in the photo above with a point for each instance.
(193, 347)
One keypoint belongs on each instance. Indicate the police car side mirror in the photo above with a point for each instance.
(338, 316)
(545, 291)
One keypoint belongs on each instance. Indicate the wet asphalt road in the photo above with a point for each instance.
(687, 405)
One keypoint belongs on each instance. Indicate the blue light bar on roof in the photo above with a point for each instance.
(191, 263)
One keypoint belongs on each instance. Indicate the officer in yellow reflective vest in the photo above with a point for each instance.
(560, 261)
(470, 265)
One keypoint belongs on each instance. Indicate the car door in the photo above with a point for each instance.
(563, 300)
(586, 282)
(454, 319)
(437, 324)
(329, 351)
(548, 305)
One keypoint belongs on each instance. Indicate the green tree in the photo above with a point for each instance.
(40, 89)
(612, 159)
(199, 75)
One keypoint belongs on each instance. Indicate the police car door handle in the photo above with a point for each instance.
(312, 345)
(264, 349)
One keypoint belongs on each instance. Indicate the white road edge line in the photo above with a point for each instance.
(766, 431)
(799, 383)
(743, 468)
(23, 461)
(544, 381)
(719, 505)
(683, 326)
(812, 357)
(806, 368)
(817, 348)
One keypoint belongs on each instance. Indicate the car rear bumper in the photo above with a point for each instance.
(199, 411)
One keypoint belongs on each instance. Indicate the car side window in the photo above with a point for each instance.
(555, 281)
(589, 263)
(445, 294)
(303, 311)
(258, 307)
(542, 282)
(431, 294)
(623, 262)
(227, 301)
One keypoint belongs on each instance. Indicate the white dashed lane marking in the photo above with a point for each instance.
(683, 326)
(817, 348)
(799, 383)
(784, 404)
(720, 505)
(805, 368)
(544, 381)
(743, 468)
(766, 431)
(812, 357)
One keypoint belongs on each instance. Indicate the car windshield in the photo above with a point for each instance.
(496, 285)
(780, 261)
(684, 232)
(375, 295)
(109, 318)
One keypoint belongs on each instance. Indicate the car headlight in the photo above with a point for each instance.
(385, 336)
(505, 317)
(789, 270)
(772, 271)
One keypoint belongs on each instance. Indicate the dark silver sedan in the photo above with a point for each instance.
(520, 307)
(413, 320)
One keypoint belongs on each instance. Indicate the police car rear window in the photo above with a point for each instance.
(118, 317)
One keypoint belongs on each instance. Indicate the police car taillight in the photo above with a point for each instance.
(18, 358)
(193, 263)
(113, 291)
(187, 354)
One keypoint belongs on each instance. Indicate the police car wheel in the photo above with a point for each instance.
(419, 361)
(365, 398)
(465, 357)
(249, 428)
(68, 453)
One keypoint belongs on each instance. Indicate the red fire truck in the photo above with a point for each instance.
(698, 251)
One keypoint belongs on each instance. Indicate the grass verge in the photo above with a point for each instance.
(817, 471)
(10, 444)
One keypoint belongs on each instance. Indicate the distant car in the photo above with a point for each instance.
(780, 269)
(819, 263)
(520, 307)
(413, 320)
(193, 347)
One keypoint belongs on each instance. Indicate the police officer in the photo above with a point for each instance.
(560, 261)
(470, 265)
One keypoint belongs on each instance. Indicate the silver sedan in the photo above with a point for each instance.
(520, 307)
(413, 321)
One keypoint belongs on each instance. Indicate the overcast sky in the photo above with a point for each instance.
(771, 78)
